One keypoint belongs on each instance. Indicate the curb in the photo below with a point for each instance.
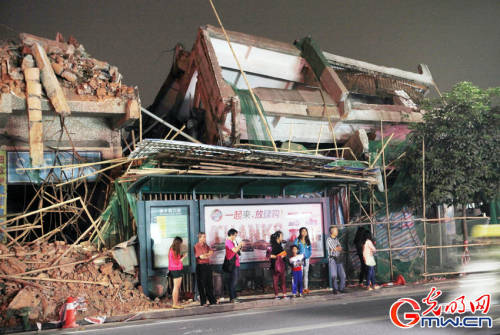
(269, 301)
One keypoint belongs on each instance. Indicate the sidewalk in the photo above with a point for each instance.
(267, 300)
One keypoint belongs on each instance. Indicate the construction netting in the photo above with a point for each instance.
(255, 125)
(119, 217)
(446, 250)
(495, 209)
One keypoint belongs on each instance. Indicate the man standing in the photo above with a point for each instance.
(202, 253)
(334, 262)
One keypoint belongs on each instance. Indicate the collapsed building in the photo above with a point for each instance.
(61, 116)
(307, 95)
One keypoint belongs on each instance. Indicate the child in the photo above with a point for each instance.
(297, 260)
(368, 251)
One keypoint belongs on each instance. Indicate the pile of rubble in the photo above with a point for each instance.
(75, 69)
(35, 283)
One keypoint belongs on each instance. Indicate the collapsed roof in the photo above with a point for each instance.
(301, 88)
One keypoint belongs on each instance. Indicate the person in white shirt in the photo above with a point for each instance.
(297, 260)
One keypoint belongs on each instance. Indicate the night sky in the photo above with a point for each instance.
(459, 40)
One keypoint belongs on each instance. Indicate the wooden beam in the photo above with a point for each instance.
(132, 114)
(358, 142)
(49, 81)
(328, 78)
(34, 106)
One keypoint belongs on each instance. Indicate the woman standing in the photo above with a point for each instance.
(175, 259)
(278, 264)
(232, 263)
(304, 245)
(368, 254)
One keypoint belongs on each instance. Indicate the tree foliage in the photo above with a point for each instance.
(462, 148)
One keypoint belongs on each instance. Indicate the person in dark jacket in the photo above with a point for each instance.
(277, 255)
(359, 240)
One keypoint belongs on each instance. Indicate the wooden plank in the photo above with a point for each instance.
(47, 44)
(49, 81)
(282, 108)
(373, 115)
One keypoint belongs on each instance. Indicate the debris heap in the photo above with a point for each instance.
(35, 283)
(75, 69)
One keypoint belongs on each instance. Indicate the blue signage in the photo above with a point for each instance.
(19, 160)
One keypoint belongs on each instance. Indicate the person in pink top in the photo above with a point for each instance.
(368, 254)
(232, 259)
(175, 259)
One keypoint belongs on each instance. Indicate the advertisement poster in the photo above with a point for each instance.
(19, 160)
(256, 223)
(166, 224)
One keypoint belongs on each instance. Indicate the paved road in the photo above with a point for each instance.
(331, 317)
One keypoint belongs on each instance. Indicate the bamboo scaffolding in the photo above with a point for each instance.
(133, 138)
(290, 137)
(82, 235)
(432, 221)
(96, 172)
(54, 231)
(381, 151)
(59, 266)
(102, 283)
(40, 210)
(178, 132)
(363, 208)
(256, 171)
(140, 126)
(423, 205)
(22, 227)
(319, 140)
(168, 134)
(72, 166)
(294, 151)
(92, 221)
(386, 200)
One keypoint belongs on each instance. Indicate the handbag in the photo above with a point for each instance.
(229, 264)
(279, 265)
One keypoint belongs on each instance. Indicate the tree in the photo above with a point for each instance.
(462, 148)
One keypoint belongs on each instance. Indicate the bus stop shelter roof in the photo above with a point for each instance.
(233, 185)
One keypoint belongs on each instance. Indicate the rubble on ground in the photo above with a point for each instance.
(117, 294)
(75, 69)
